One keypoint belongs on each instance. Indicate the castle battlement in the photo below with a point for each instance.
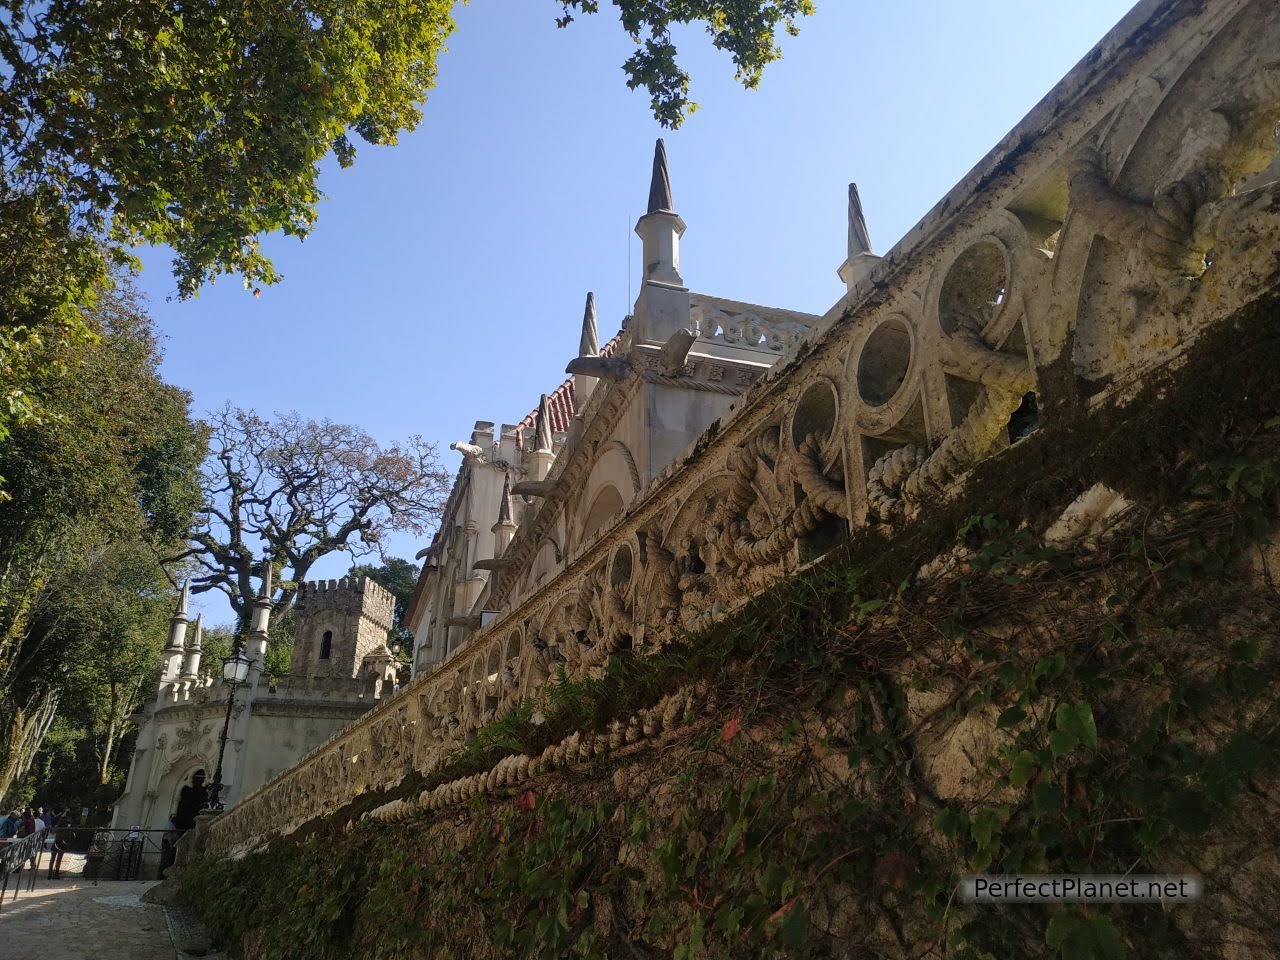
(348, 595)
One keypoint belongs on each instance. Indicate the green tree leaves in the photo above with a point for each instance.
(202, 126)
(746, 31)
(107, 479)
(1073, 726)
(1085, 937)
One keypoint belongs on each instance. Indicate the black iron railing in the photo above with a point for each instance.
(17, 855)
(123, 854)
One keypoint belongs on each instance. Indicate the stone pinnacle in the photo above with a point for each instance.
(504, 505)
(542, 440)
(660, 185)
(589, 345)
(859, 236)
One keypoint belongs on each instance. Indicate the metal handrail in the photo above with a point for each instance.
(14, 856)
(121, 853)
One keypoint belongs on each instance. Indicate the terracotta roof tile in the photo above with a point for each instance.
(560, 402)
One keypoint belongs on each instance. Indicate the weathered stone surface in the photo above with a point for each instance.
(1133, 210)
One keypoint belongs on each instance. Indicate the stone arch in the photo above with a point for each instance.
(633, 472)
(1139, 249)
(614, 468)
(605, 505)
(544, 565)
(170, 786)
(673, 564)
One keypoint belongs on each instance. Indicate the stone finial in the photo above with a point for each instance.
(589, 345)
(190, 671)
(663, 304)
(504, 504)
(860, 261)
(175, 645)
(266, 580)
(260, 615)
(660, 185)
(859, 236)
(542, 438)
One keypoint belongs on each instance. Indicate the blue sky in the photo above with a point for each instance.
(445, 279)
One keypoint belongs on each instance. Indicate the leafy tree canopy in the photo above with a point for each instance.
(202, 125)
(747, 31)
(106, 482)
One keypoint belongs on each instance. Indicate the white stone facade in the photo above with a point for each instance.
(341, 668)
(627, 412)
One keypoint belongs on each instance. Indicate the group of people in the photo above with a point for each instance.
(32, 820)
(37, 821)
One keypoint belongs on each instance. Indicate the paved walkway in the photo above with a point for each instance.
(72, 919)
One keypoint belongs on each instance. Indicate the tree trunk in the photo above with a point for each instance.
(117, 723)
(25, 729)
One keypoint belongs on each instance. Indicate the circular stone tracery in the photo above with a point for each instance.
(976, 288)
(884, 362)
(815, 414)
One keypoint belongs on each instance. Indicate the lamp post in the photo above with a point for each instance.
(235, 670)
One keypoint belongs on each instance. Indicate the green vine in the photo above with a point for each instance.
(1120, 708)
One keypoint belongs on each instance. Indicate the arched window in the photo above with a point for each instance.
(326, 645)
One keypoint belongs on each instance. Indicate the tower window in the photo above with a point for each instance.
(326, 645)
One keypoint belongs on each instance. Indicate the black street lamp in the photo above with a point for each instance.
(235, 671)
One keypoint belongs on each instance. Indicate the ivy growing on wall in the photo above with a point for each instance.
(864, 738)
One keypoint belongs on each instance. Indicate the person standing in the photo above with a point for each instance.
(54, 846)
(191, 800)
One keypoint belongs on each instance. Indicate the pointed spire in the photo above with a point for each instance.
(175, 645)
(260, 620)
(660, 185)
(859, 236)
(266, 580)
(190, 669)
(589, 345)
(542, 438)
(504, 505)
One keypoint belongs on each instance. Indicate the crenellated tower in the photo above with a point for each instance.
(340, 624)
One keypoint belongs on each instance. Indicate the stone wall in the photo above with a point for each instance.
(1086, 681)
(1128, 215)
(356, 612)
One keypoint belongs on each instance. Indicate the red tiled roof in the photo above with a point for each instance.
(560, 402)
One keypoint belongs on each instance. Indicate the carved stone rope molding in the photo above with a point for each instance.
(1134, 208)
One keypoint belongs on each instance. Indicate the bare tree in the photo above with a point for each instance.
(292, 490)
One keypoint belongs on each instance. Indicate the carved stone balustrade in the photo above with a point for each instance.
(1135, 207)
